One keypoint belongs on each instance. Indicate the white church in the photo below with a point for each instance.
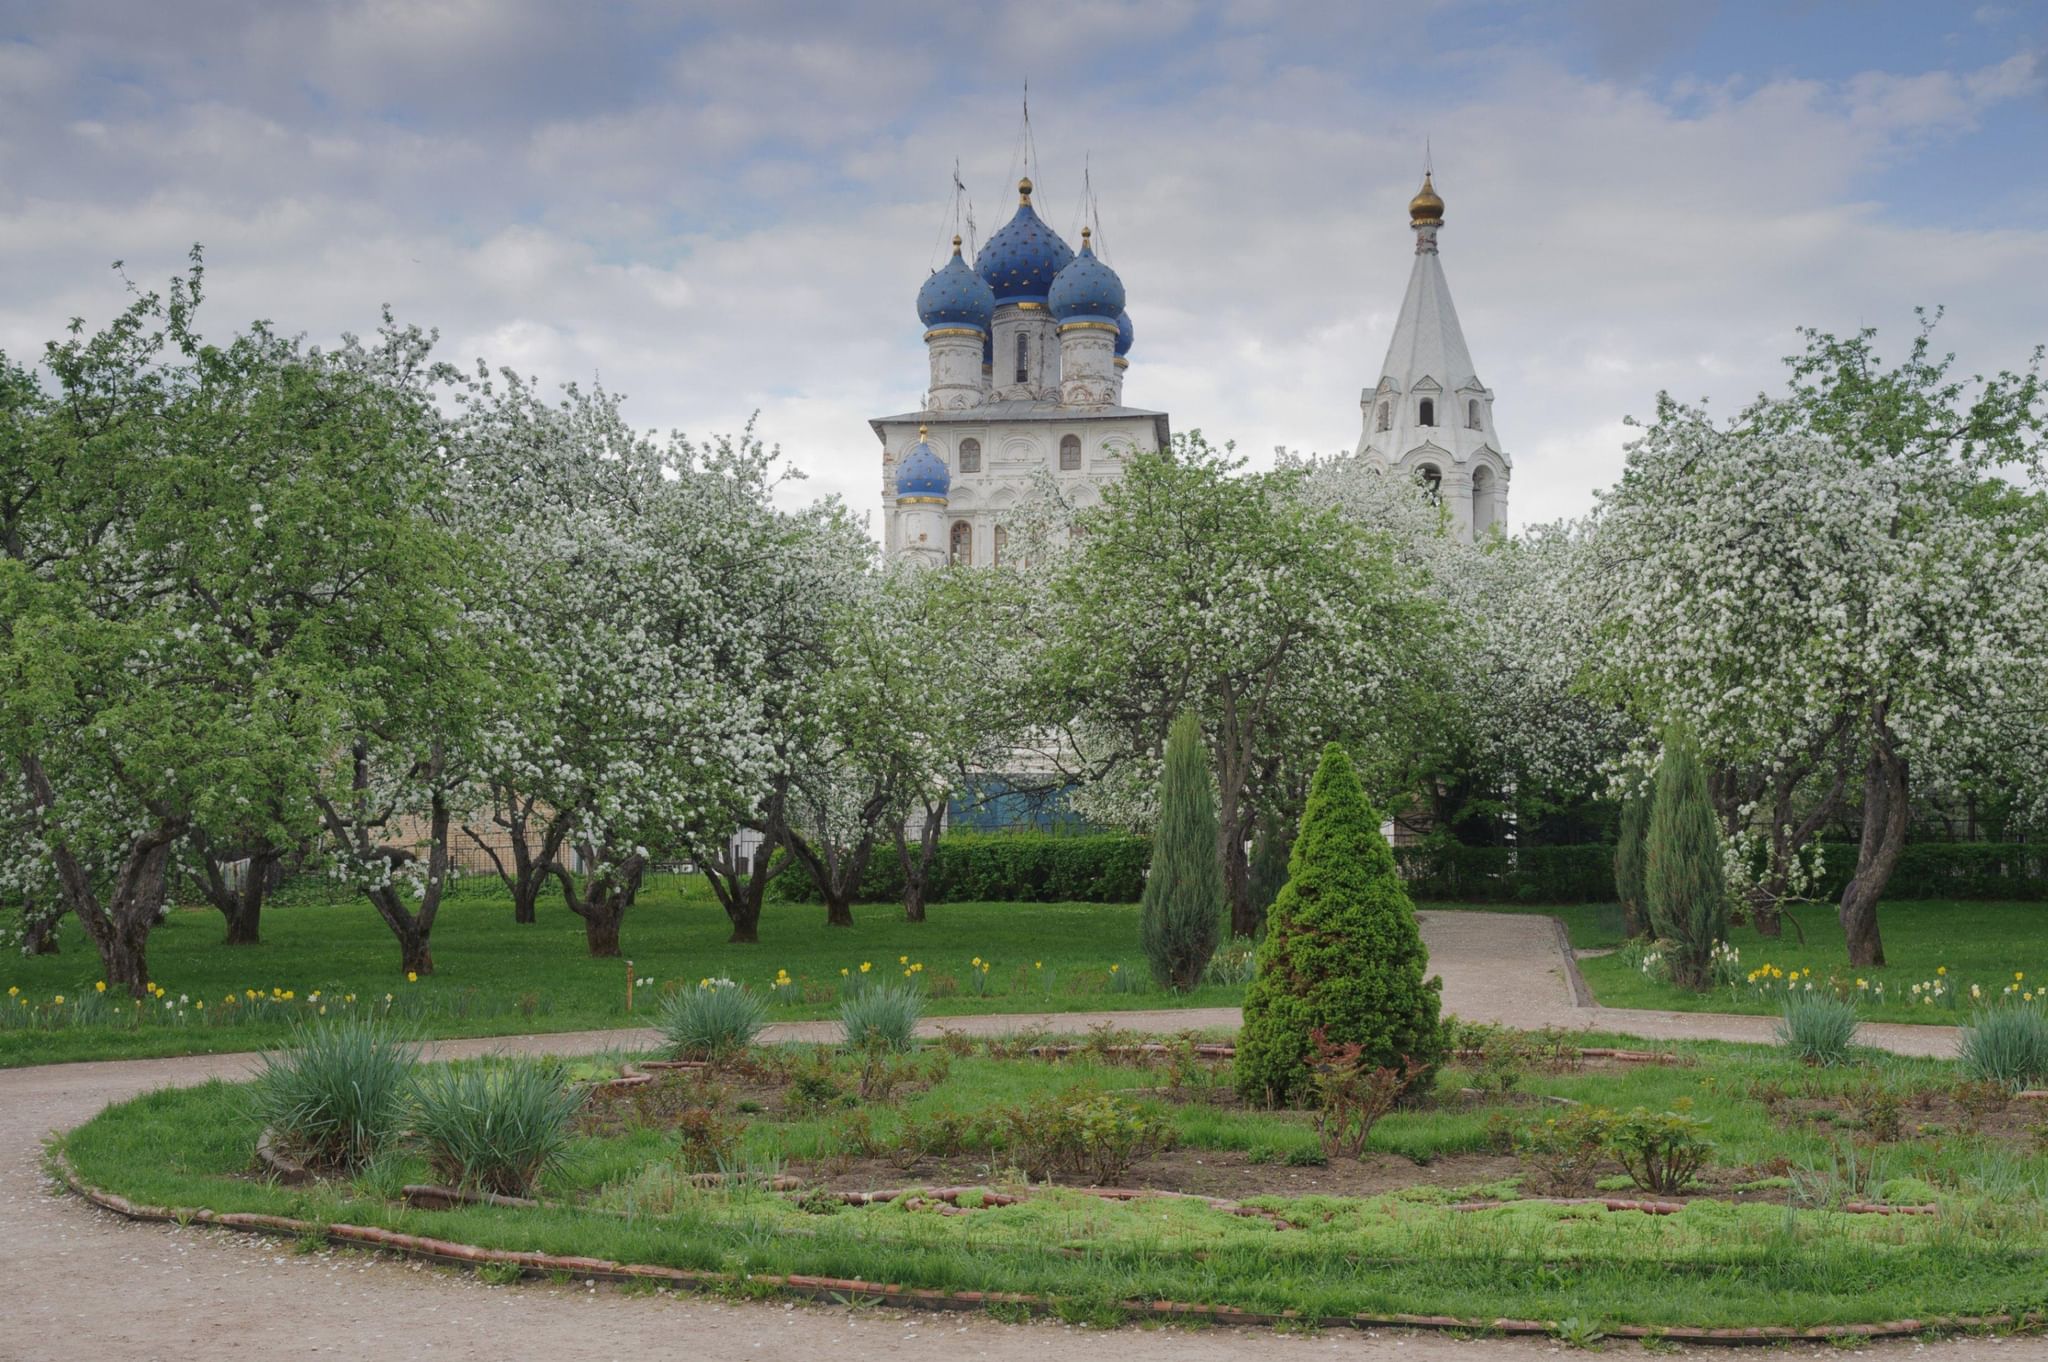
(1028, 350)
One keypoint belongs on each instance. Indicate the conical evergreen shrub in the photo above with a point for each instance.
(1342, 953)
(1628, 864)
(1684, 881)
(1181, 913)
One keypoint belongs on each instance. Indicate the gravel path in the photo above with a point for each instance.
(78, 1283)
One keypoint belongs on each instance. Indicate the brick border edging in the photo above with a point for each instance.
(915, 1298)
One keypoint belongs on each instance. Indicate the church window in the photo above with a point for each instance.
(1070, 453)
(970, 456)
(1485, 501)
(1432, 479)
(1002, 544)
(963, 544)
(1428, 414)
(1472, 413)
(1023, 357)
(1386, 415)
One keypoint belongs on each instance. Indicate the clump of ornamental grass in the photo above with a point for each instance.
(715, 1020)
(884, 1015)
(335, 1094)
(1818, 1028)
(496, 1128)
(2006, 1045)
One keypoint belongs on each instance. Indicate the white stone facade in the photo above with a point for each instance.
(993, 453)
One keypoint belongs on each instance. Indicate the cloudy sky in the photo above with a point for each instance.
(723, 208)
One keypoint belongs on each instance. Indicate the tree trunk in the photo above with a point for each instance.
(838, 911)
(39, 931)
(601, 935)
(741, 883)
(1763, 911)
(917, 869)
(603, 905)
(525, 895)
(1884, 834)
(120, 930)
(746, 924)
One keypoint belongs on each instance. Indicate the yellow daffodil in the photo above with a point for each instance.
(100, 987)
(866, 965)
(976, 962)
(1941, 969)
(902, 959)
(843, 971)
(1114, 968)
(13, 990)
(411, 977)
(60, 1000)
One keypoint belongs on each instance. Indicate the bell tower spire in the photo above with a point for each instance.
(1429, 417)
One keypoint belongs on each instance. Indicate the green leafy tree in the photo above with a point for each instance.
(1628, 864)
(1279, 621)
(1683, 878)
(1342, 953)
(1181, 914)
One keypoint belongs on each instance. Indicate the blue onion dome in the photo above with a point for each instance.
(1020, 260)
(1124, 334)
(956, 296)
(923, 473)
(1086, 288)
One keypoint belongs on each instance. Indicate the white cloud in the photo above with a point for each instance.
(739, 221)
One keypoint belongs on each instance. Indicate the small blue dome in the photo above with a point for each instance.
(1124, 334)
(1086, 288)
(956, 296)
(922, 472)
(1020, 260)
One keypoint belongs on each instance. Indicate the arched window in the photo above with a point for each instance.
(1432, 479)
(1472, 413)
(1428, 414)
(1070, 453)
(970, 456)
(963, 544)
(1023, 357)
(1386, 415)
(1002, 542)
(1485, 501)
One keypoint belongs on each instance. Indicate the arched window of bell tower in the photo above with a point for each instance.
(1427, 416)
(1472, 413)
(1070, 453)
(1386, 415)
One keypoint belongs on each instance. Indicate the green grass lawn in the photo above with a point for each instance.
(1977, 943)
(495, 977)
(1719, 1262)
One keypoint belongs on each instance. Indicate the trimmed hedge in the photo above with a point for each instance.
(1007, 868)
(1028, 867)
(1585, 874)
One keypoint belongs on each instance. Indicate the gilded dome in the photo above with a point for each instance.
(1425, 206)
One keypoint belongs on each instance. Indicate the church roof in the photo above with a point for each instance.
(1428, 342)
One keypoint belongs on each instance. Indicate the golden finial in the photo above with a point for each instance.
(956, 243)
(1425, 207)
(1084, 236)
(921, 428)
(1024, 190)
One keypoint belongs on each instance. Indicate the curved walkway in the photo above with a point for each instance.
(79, 1283)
